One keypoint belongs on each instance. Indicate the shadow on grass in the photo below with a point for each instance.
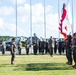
(38, 66)
(43, 66)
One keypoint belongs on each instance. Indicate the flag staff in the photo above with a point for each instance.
(58, 18)
(44, 22)
(16, 17)
(31, 21)
(72, 19)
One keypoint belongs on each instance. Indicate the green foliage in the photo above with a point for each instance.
(5, 37)
(23, 43)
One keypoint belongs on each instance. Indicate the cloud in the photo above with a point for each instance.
(1, 23)
(51, 20)
(6, 11)
(19, 1)
(48, 8)
(37, 21)
(10, 29)
(37, 12)
(6, 28)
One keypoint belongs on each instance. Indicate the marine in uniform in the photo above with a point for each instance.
(27, 47)
(13, 48)
(50, 47)
(19, 47)
(68, 50)
(74, 48)
(3, 46)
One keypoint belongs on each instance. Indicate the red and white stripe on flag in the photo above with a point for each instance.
(64, 22)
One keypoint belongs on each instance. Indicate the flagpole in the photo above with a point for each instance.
(31, 23)
(16, 17)
(72, 19)
(44, 22)
(58, 17)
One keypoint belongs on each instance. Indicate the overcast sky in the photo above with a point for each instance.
(8, 17)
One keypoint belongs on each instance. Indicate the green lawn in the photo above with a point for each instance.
(35, 65)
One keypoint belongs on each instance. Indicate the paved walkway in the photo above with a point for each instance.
(23, 51)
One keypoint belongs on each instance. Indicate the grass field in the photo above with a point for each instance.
(35, 65)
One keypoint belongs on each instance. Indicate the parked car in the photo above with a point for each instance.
(8, 44)
(0, 46)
